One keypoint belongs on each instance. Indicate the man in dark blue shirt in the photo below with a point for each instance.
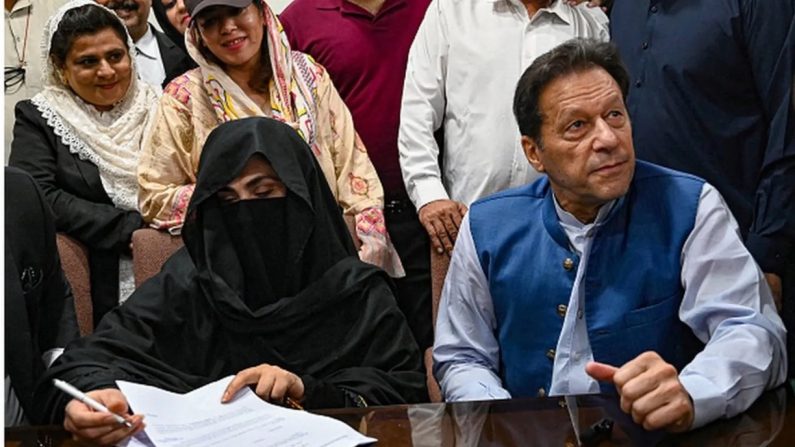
(711, 94)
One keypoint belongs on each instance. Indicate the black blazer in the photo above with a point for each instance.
(81, 206)
(39, 308)
(175, 60)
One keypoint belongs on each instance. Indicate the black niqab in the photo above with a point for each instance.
(317, 238)
(259, 233)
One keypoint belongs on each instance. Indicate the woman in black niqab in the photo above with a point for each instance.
(315, 309)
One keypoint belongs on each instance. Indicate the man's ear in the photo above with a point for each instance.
(531, 151)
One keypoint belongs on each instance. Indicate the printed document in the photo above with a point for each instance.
(199, 419)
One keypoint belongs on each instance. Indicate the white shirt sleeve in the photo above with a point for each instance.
(728, 305)
(422, 110)
(466, 351)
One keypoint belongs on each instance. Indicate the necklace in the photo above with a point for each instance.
(15, 76)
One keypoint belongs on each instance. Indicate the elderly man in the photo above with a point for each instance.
(159, 59)
(607, 270)
(462, 67)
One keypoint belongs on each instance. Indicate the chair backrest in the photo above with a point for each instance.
(439, 265)
(74, 261)
(151, 249)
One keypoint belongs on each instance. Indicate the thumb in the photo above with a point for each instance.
(601, 371)
(115, 402)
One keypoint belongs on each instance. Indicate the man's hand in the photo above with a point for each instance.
(95, 427)
(273, 383)
(776, 288)
(650, 391)
(441, 219)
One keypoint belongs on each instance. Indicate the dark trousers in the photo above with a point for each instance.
(413, 290)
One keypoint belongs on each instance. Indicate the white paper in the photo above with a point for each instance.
(199, 419)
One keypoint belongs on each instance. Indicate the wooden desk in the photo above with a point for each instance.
(520, 422)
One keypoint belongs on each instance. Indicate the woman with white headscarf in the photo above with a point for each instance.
(81, 136)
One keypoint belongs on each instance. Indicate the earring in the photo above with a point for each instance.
(60, 77)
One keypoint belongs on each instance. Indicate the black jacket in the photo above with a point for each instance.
(81, 206)
(39, 309)
(175, 60)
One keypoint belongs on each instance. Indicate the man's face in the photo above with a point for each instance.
(586, 140)
(133, 13)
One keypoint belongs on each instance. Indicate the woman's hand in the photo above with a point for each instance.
(89, 425)
(272, 383)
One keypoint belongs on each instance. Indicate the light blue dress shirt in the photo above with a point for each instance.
(726, 303)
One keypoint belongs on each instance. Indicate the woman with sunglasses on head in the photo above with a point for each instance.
(246, 68)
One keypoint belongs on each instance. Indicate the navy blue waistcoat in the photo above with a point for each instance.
(632, 283)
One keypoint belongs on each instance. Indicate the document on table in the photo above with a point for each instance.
(199, 419)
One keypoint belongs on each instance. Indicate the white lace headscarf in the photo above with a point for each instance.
(112, 139)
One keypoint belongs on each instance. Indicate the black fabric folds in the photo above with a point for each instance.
(332, 319)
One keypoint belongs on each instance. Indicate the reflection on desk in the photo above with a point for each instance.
(521, 422)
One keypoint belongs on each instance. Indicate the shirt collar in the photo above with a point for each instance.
(147, 45)
(557, 7)
(562, 10)
(568, 219)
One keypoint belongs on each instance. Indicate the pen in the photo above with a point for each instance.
(79, 395)
(292, 403)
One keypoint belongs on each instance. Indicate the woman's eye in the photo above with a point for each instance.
(264, 192)
(207, 23)
(227, 198)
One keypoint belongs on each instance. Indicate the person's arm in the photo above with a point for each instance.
(359, 190)
(768, 28)
(166, 172)
(98, 225)
(466, 352)
(728, 306)
(421, 114)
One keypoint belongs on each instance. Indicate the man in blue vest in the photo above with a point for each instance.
(607, 274)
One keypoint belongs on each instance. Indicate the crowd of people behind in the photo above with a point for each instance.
(312, 160)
